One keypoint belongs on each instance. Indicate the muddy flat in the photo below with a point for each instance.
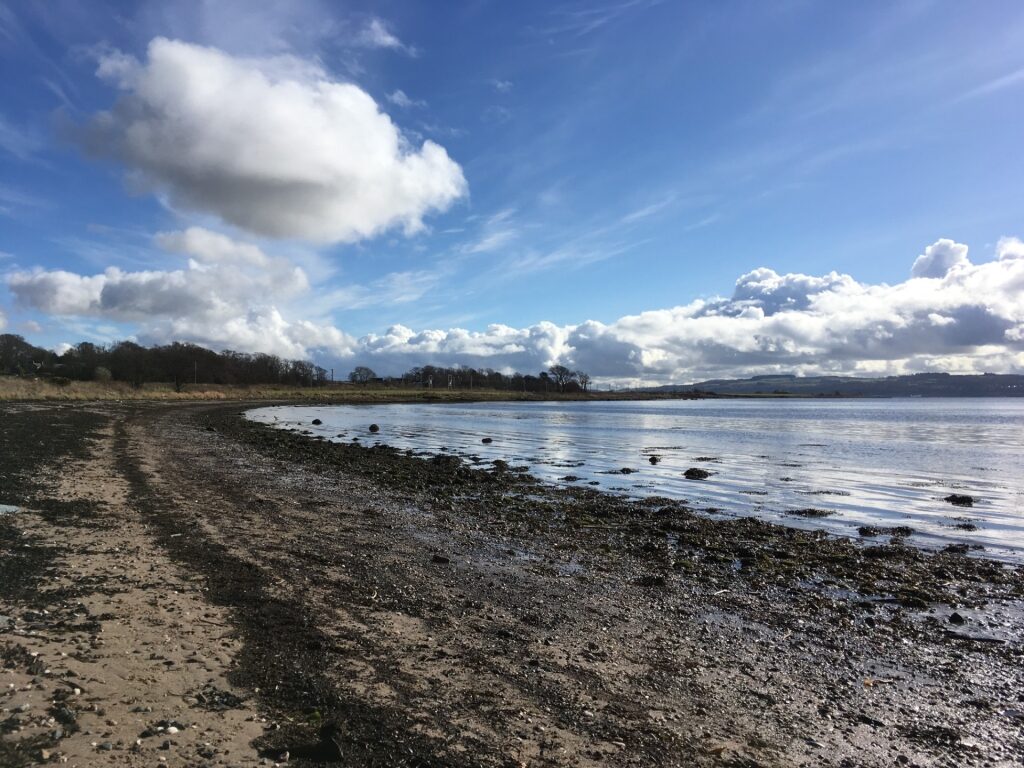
(179, 586)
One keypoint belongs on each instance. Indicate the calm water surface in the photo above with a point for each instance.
(871, 462)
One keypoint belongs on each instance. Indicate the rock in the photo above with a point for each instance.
(374, 428)
(440, 560)
(960, 500)
(654, 459)
(487, 441)
(695, 473)
(810, 512)
(316, 422)
(869, 531)
(956, 618)
(956, 549)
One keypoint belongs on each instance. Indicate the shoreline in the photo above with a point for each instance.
(390, 610)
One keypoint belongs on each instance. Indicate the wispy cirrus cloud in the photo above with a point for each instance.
(377, 34)
(400, 99)
(19, 142)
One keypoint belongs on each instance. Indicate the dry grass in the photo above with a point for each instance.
(13, 388)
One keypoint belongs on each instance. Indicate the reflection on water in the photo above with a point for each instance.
(868, 462)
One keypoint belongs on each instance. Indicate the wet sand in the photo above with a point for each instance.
(201, 590)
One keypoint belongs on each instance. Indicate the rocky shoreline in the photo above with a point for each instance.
(360, 606)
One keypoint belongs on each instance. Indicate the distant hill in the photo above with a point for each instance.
(916, 385)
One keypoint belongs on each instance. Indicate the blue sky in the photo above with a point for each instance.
(643, 166)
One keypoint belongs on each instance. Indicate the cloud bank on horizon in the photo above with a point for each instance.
(276, 173)
(951, 315)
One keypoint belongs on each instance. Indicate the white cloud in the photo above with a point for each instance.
(502, 86)
(938, 258)
(211, 247)
(1010, 248)
(271, 145)
(966, 318)
(377, 35)
(970, 320)
(400, 99)
(3, 320)
(228, 296)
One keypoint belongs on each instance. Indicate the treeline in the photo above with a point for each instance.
(558, 378)
(176, 363)
(182, 364)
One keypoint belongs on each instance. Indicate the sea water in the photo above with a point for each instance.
(880, 463)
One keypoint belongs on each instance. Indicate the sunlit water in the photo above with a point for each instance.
(871, 462)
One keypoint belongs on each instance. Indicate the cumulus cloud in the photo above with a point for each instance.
(227, 296)
(964, 317)
(273, 146)
(938, 258)
(967, 318)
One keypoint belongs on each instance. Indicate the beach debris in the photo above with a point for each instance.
(960, 500)
(374, 428)
(213, 699)
(696, 473)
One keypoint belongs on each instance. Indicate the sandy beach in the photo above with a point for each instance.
(180, 586)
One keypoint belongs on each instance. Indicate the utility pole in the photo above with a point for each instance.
(195, 371)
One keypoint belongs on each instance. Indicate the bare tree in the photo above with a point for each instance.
(584, 379)
(361, 375)
(562, 376)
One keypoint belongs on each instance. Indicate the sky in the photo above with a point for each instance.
(652, 192)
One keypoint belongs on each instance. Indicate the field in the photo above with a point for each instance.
(17, 389)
